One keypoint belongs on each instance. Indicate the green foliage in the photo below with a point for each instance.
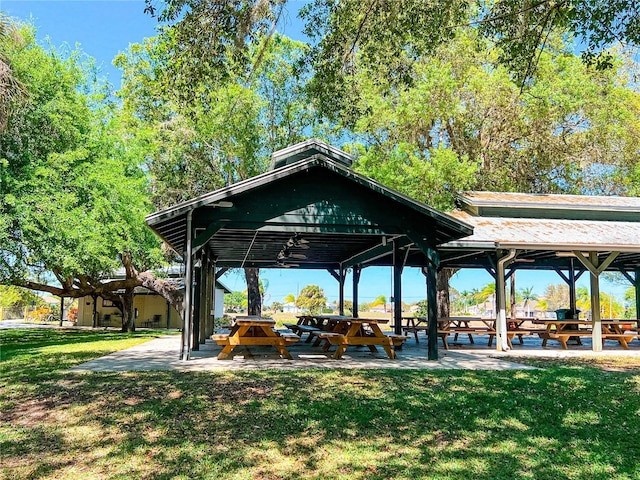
(228, 134)
(423, 308)
(522, 29)
(311, 299)
(72, 194)
(236, 300)
(11, 296)
(630, 310)
(211, 41)
(464, 124)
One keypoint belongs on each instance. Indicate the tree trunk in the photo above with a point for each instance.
(442, 294)
(254, 299)
(128, 318)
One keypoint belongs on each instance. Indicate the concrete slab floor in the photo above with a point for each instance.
(163, 354)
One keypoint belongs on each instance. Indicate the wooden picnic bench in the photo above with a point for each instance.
(462, 325)
(563, 330)
(254, 331)
(358, 331)
(413, 324)
(306, 324)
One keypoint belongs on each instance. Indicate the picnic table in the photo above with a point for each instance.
(464, 325)
(563, 330)
(346, 331)
(311, 325)
(249, 331)
(413, 324)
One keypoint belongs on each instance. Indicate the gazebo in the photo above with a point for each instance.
(310, 211)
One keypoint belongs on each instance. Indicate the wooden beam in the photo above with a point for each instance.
(596, 269)
(379, 251)
(221, 272)
(203, 237)
(334, 274)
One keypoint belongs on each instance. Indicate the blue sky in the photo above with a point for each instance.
(102, 29)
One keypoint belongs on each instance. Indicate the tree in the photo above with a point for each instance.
(386, 36)
(311, 299)
(11, 89)
(630, 303)
(384, 39)
(380, 300)
(72, 195)
(225, 134)
(464, 124)
(522, 29)
(557, 296)
(236, 301)
(12, 296)
(527, 295)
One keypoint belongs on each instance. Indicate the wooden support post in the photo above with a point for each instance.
(432, 304)
(595, 269)
(356, 283)
(213, 298)
(502, 342)
(204, 299)
(426, 244)
(637, 287)
(185, 351)
(61, 310)
(211, 292)
(397, 289)
(342, 276)
(596, 323)
(197, 297)
(572, 287)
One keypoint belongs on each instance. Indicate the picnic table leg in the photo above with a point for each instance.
(226, 352)
(284, 353)
(391, 353)
(563, 342)
(342, 348)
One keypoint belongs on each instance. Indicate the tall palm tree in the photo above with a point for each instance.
(527, 295)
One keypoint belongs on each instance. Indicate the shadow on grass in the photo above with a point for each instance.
(553, 423)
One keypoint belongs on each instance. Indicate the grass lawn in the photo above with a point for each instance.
(577, 420)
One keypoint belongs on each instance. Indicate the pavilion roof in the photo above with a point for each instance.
(540, 226)
(344, 218)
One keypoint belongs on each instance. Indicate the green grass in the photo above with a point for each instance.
(564, 421)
